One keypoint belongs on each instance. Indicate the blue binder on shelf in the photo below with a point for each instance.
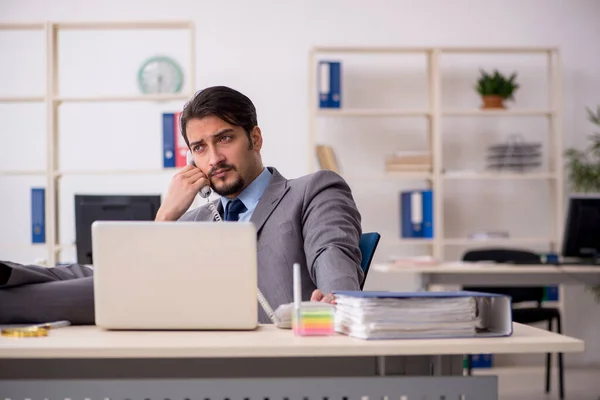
(329, 79)
(451, 314)
(168, 131)
(551, 293)
(416, 214)
(38, 215)
(482, 361)
(427, 214)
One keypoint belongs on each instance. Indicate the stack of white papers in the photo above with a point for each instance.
(382, 315)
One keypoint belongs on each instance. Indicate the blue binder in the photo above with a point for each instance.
(428, 214)
(482, 361)
(335, 100)
(416, 214)
(551, 293)
(329, 79)
(168, 131)
(38, 215)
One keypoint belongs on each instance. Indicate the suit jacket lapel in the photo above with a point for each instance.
(273, 194)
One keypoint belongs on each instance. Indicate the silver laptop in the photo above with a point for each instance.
(175, 275)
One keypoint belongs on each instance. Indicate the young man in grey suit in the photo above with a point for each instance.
(312, 220)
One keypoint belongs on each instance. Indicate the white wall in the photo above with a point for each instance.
(261, 48)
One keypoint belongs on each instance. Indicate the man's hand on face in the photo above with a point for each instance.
(181, 193)
(317, 295)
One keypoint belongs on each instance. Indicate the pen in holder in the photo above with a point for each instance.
(310, 318)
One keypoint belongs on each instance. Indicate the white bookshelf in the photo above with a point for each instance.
(440, 177)
(53, 101)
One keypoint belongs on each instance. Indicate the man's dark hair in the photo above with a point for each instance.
(230, 105)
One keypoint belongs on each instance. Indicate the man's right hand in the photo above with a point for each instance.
(181, 193)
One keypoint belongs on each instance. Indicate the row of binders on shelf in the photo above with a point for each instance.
(174, 146)
(416, 214)
(419, 315)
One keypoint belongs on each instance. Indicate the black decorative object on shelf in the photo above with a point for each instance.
(515, 155)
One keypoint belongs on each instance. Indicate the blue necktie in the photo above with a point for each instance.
(234, 209)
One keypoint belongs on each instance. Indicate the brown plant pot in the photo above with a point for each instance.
(492, 102)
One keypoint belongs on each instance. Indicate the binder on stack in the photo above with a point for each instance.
(419, 315)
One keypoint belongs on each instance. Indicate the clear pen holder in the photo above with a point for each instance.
(314, 319)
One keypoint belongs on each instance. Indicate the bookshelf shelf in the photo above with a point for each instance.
(499, 175)
(441, 50)
(390, 176)
(499, 50)
(22, 26)
(53, 100)
(100, 99)
(409, 175)
(24, 99)
(124, 25)
(404, 241)
(506, 241)
(497, 113)
(370, 50)
(357, 112)
(21, 173)
(157, 171)
(433, 131)
(20, 246)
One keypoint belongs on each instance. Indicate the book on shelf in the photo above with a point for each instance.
(174, 146)
(408, 162)
(416, 214)
(326, 158)
(329, 82)
(419, 315)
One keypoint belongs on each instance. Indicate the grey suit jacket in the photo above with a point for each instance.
(313, 221)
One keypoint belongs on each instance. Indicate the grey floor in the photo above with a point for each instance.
(528, 383)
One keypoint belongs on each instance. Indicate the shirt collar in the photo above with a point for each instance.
(253, 192)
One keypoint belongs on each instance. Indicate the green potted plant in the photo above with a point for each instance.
(584, 168)
(584, 165)
(496, 88)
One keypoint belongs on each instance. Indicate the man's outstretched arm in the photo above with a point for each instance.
(34, 294)
(332, 229)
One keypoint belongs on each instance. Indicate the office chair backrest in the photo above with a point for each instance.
(368, 244)
(513, 256)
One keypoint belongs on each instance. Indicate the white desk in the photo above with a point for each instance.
(86, 362)
(474, 274)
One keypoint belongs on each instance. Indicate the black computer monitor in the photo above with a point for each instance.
(90, 208)
(582, 229)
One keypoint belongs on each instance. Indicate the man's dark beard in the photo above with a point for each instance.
(230, 189)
